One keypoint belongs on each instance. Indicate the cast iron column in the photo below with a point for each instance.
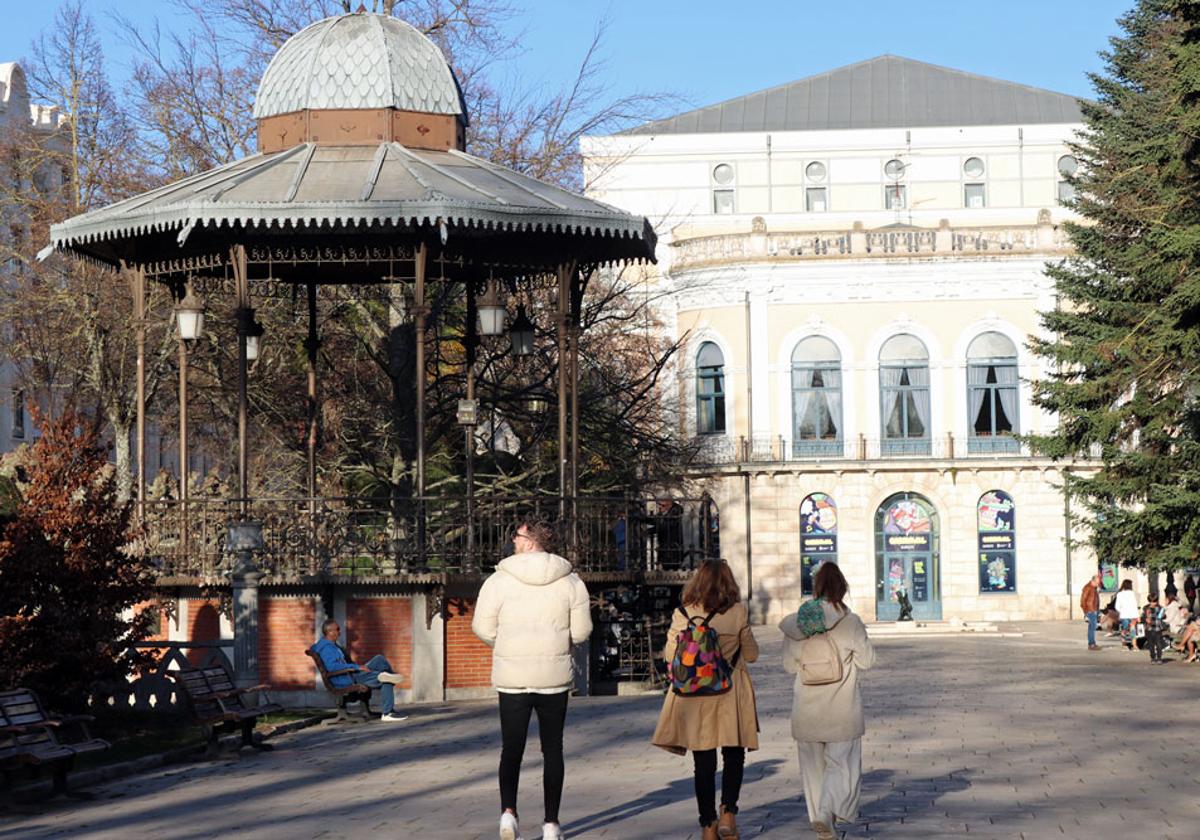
(245, 538)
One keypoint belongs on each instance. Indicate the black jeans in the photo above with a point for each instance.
(1154, 641)
(734, 761)
(515, 711)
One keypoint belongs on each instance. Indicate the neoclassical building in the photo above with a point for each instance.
(854, 263)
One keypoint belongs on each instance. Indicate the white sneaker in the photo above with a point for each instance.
(389, 677)
(392, 717)
(509, 830)
(551, 831)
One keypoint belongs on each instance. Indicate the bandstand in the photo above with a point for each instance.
(361, 186)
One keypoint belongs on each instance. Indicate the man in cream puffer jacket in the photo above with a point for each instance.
(532, 611)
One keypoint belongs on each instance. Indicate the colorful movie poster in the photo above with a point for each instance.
(907, 516)
(997, 542)
(818, 536)
(1109, 577)
(920, 580)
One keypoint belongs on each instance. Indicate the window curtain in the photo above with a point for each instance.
(1007, 380)
(976, 393)
(802, 398)
(889, 385)
(833, 399)
(918, 378)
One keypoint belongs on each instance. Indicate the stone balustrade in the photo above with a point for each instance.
(857, 242)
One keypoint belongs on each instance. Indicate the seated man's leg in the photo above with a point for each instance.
(387, 693)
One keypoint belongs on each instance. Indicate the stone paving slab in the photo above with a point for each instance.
(968, 736)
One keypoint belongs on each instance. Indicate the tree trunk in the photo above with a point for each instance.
(123, 452)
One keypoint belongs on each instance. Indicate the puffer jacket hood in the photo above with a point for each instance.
(535, 568)
(791, 629)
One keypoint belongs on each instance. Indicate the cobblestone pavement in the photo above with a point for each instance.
(989, 737)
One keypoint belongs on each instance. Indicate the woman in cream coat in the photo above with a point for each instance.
(532, 611)
(827, 720)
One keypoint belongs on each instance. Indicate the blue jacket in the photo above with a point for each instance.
(335, 660)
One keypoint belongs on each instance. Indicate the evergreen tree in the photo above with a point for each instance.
(1125, 349)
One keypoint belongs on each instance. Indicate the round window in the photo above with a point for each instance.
(894, 169)
(815, 171)
(973, 168)
(1067, 165)
(723, 174)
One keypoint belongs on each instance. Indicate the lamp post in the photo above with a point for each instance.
(521, 333)
(491, 313)
(189, 323)
(253, 331)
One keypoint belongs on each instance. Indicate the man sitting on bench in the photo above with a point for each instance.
(377, 673)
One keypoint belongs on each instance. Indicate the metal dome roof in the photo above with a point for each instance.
(360, 60)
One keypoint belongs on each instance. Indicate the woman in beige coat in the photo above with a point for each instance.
(827, 720)
(729, 720)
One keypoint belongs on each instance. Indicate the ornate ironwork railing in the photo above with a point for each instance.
(405, 539)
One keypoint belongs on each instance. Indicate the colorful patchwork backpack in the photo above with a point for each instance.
(698, 667)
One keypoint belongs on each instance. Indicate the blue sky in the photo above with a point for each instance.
(710, 50)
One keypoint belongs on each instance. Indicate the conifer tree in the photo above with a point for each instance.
(1125, 346)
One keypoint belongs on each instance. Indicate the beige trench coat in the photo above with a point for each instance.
(718, 720)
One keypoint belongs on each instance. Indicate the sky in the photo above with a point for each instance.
(706, 51)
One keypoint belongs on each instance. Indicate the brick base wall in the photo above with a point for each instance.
(204, 625)
(381, 626)
(285, 631)
(468, 660)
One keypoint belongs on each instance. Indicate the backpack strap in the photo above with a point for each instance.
(736, 654)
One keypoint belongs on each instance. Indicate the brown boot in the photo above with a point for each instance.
(709, 832)
(727, 826)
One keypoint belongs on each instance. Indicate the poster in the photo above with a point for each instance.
(997, 543)
(920, 580)
(818, 536)
(1108, 577)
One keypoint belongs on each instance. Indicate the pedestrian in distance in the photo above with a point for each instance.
(1153, 618)
(1089, 602)
(827, 706)
(710, 705)
(1128, 612)
(532, 612)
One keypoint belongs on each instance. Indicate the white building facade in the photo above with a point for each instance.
(855, 264)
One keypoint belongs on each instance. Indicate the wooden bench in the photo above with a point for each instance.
(31, 737)
(343, 694)
(220, 706)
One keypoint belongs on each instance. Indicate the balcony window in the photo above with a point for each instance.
(816, 193)
(974, 191)
(1067, 167)
(904, 396)
(992, 394)
(710, 390)
(974, 196)
(816, 398)
(723, 184)
(895, 196)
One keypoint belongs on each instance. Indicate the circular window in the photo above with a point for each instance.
(815, 171)
(723, 173)
(894, 169)
(973, 168)
(1067, 165)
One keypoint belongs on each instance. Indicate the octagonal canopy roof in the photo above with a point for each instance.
(312, 191)
(359, 61)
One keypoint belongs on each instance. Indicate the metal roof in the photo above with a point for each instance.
(360, 60)
(316, 188)
(883, 92)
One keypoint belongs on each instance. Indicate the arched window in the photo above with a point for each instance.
(997, 542)
(818, 536)
(710, 390)
(904, 396)
(992, 405)
(816, 398)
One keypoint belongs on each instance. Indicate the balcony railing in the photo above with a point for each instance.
(365, 539)
(762, 245)
(724, 450)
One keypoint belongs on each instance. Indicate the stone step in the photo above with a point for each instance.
(952, 627)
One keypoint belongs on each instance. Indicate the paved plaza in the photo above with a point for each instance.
(968, 736)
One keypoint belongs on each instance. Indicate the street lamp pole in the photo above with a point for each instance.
(472, 346)
(189, 322)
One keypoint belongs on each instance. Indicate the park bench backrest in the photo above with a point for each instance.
(219, 682)
(353, 688)
(199, 695)
(21, 707)
(8, 740)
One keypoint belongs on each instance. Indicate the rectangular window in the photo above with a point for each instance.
(816, 199)
(723, 202)
(1066, 192)
(974, 196)
(895, 197)
(18, 414)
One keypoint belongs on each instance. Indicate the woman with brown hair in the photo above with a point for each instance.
(827, 719)
(703, 723)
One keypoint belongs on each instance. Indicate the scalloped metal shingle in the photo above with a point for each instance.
(360, 60)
